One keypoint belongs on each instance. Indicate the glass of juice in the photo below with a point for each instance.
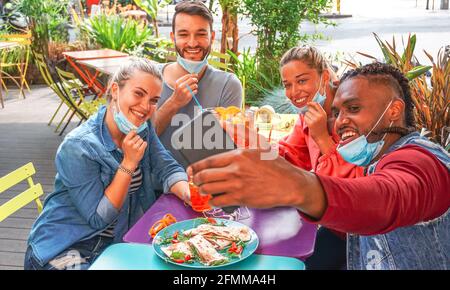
(199, 202)
(243, 121)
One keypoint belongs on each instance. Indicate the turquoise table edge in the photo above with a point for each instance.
(129, 256)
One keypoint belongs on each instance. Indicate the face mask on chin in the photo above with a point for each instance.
(191, 66)
(124, 125)
(359, 151)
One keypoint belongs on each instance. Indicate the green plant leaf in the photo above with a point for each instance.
(417, 71)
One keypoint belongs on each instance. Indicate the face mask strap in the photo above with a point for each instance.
(320, 85)
(390, 125)
(381, 117)
(117, 106)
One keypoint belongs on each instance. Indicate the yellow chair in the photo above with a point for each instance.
(24, 198)
(46, 75)
(23, 42)
(81, 106)
(219, 60)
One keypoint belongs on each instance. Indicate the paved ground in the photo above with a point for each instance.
(25, 137)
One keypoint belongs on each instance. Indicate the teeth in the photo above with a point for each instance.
(140, 115)
(348, 134)
(298, 101)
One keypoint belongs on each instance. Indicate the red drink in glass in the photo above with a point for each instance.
(199, 201)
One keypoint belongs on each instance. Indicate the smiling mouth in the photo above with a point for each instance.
(300, 102)
(139, 115)
(347, 136)
(193, 51)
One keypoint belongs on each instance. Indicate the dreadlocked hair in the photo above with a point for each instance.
(389, 76)
(398, 130)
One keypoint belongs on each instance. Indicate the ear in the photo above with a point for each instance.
(325, 77)
(397, 111)
(213, 36)
(172, 36)
(114, 91)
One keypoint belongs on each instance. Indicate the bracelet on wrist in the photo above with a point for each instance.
(127, 171)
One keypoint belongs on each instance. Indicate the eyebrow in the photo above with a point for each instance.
(186, 31)
(350, 101)
(139, 88)
(346, 102)
(297, 76)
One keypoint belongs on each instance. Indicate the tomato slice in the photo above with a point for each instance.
(233, 248)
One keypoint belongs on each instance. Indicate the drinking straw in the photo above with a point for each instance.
(243, 94)
(195, 98)
(270, 132)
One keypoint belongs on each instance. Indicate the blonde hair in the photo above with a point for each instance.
(127, 69)
(308, 55)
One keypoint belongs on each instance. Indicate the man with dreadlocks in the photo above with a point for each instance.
(397, 216)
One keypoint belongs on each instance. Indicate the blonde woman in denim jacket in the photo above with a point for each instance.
(103, 182)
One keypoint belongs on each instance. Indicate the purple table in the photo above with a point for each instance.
(281, 231)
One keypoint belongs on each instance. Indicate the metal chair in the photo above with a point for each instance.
(32, 193)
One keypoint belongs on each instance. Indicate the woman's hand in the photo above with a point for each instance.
(317, 121)
(133, 147)
(181, 189)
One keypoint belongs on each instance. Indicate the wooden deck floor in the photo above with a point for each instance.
(25, 137)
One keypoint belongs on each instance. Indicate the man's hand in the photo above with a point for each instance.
(180, 98)
(245, 179)
(182, 95)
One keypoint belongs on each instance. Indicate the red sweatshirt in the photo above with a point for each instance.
(409, 185)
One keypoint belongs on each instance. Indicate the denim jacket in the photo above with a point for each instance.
(425, 245)
(78, 209)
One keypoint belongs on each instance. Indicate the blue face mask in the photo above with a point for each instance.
(359, 151)
(318, 98)
(124, 125)
(192, 66)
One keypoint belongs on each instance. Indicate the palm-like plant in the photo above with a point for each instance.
(117, 33)
(433, 104)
